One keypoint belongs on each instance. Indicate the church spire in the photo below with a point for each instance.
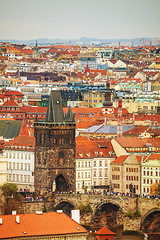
(36, 47)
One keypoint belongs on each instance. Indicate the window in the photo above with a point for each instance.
(94, 173)
(94, 163)
(100, 173)
(17, 166)
(82, 175)
(25, 178)
(85, 164)
(14, 165)
(21, 166)
(61, 158)
(13, 177)
(29, 166)
(9, 165)
(78, 174)
(17, 177)
(21, 178)
(17, 155)
(25, 166)
(85, 174)
(26, 156)
(29, 178)
(78, 164)
(9, 177)
(21, 155)
(100, 163)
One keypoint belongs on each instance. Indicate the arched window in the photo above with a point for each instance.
(61, 158)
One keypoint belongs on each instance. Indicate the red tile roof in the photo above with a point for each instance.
(136, 130)
(154, 156)
(46, 224)
(21, 142)
(132, 142)
(104, 231)
(14, 93)
(121, 159)
(10, 103)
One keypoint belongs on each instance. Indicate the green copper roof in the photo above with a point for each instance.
(10, 128)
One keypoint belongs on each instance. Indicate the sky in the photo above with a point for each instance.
(73, 19)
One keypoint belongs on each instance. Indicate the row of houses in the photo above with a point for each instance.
(97, 164)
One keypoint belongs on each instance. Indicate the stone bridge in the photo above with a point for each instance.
(132, 213)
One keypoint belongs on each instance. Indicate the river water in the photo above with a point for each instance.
(138, 237)
(132, 237)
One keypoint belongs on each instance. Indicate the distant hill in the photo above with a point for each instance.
(83, 40)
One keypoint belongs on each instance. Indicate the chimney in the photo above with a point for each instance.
(0, 221)
(39, 212)
(59, 211)
(17, 219)
(13, 212)
(75, 215)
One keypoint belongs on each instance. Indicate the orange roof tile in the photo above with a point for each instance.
(154, 156)
(46, 224)
(10, 103)
(104, 231)
(138, 142)
(121, 159)
(21, 141)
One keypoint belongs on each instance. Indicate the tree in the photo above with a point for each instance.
(9, 189)
(13, 200)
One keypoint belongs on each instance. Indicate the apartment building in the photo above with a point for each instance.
(125, 170)
(150, 172)
(19, 154)
(92, 99)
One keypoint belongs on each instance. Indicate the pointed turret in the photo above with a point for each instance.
(55, 110)
(70, 115)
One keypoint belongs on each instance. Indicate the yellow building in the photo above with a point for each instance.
(155, 86)
(125, 170)
(150, 169)
(91, 99)
(3, 169)
(138, 107)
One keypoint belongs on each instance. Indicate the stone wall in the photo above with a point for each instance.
(98, 204)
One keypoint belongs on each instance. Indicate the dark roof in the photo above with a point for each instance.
(55, 109)
(10, 128)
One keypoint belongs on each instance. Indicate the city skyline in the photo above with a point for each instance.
(59, 19)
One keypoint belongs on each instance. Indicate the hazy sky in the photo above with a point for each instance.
(73, 19)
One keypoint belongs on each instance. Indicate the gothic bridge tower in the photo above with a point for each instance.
(55, 149)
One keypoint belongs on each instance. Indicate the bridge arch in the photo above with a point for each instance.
(66, 206)
(150, 222)
(108, 213)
